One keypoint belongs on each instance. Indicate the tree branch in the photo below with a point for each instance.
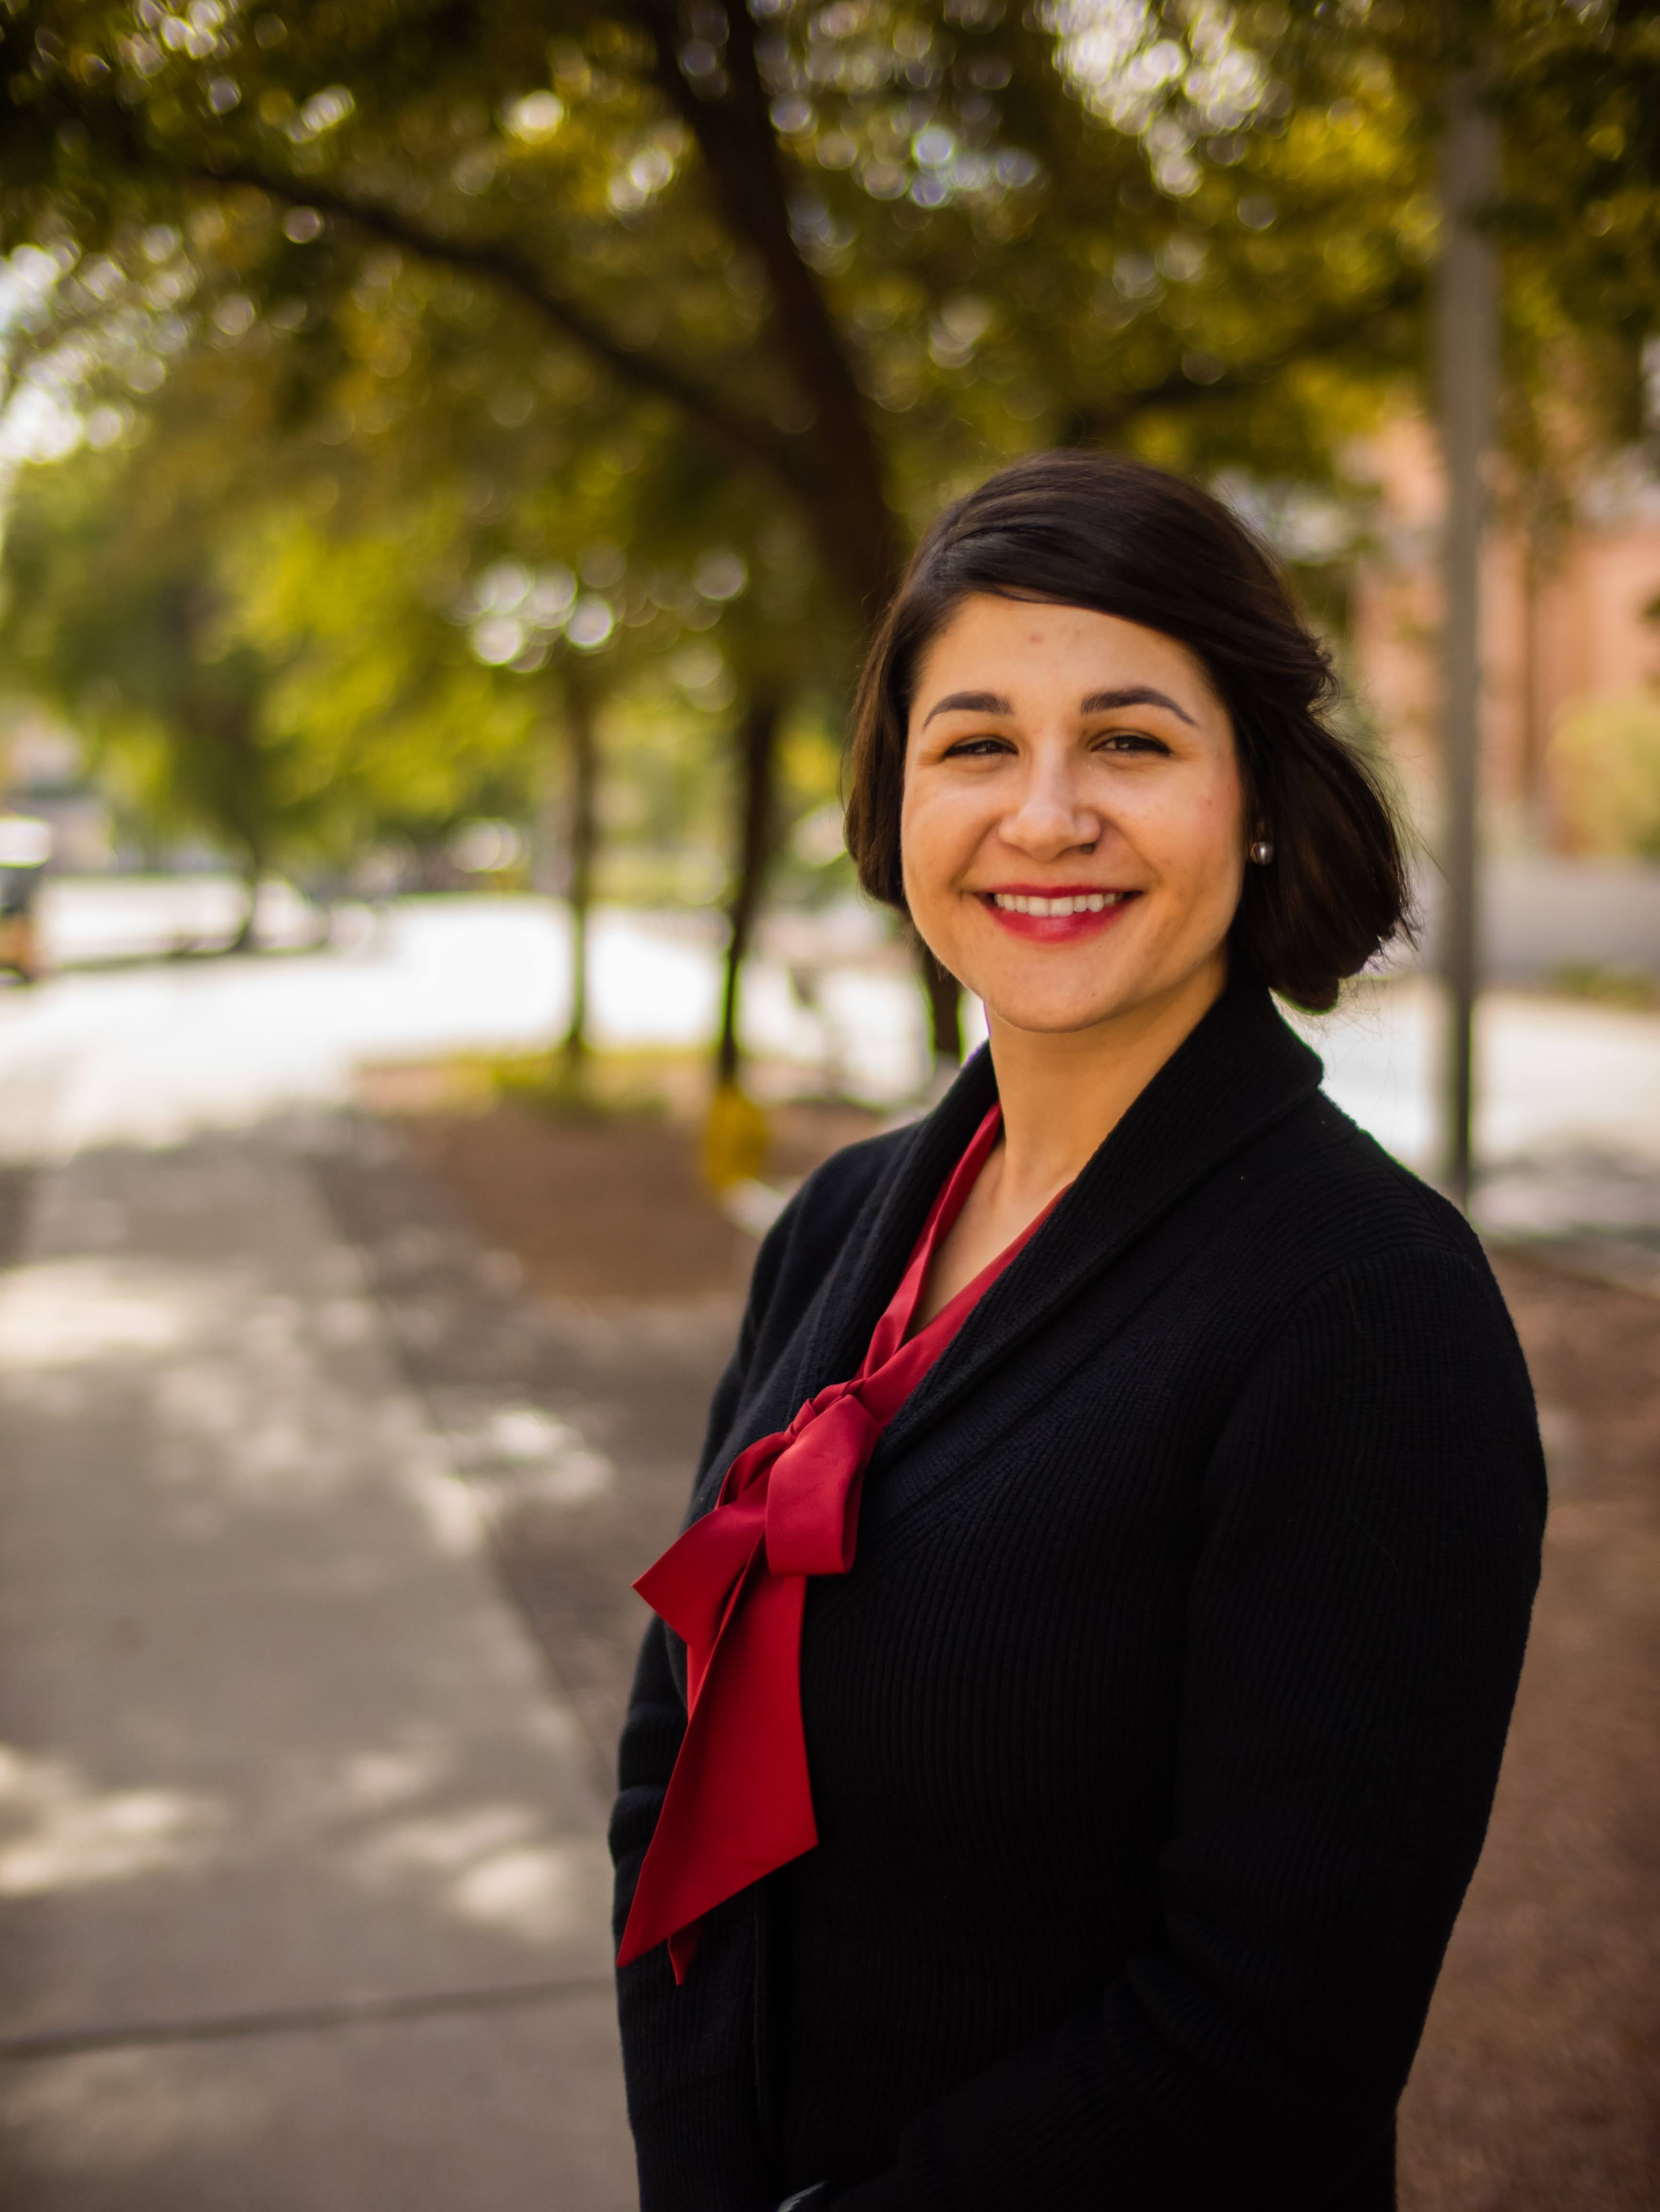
(835, 476)
(1106, 417)
(746, 438)
(740, 154)
(514, 272)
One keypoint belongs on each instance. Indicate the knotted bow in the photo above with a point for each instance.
(734, 1587)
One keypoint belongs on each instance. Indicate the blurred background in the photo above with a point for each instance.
(451, 451)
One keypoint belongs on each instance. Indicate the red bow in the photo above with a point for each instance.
(734, 1587)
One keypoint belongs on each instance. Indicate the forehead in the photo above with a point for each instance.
(1018, 646)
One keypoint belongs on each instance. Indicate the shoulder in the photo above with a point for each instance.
(1338, 1198)
(839, 1191)
(1315, 1251)
(1369, 1280)
(1381, 1373)
(857, 1172)
(802, 1245)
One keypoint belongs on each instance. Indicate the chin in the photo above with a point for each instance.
(1047, 1019)
(1049, 1008)
(1054, 1004)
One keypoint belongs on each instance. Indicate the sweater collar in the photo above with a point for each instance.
(1239, 1070)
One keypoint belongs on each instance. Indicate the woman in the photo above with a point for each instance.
(1109, 1568)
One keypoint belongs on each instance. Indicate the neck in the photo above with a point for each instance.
(1063, 1093)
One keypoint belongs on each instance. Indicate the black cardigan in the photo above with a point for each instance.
(1154, 1733)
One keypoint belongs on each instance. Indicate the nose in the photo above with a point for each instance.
(1050, 816)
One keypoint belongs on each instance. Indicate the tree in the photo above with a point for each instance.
(185, 696)
(576, 697)
(838, 259)
(846, 256)
(1478, 65)
(289, 695)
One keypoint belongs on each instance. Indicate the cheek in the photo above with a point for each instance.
(1206, 833)
(915, 854)
(937, 834)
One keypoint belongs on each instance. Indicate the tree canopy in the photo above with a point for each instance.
(647, 295)
(852, 254)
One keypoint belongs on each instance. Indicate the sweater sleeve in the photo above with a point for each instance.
(1356, 1622)
(688, 2052)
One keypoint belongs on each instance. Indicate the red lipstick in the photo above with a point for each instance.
(1056, 913)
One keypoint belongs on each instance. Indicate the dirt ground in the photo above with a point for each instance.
(1537, 2088)
(605, 1209)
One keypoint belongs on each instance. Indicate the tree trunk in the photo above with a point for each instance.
(246, 938)
(944, 996)
(256, 857)
(1536, 812)
(845, 494)
(583, 840)
(1467, 334)
(551, 818)
(759, 765)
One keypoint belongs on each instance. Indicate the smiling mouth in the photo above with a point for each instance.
(1057, 908)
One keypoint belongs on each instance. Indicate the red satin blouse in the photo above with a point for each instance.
(734, 1587)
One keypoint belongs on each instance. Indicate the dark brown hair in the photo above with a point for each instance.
(1098, 530)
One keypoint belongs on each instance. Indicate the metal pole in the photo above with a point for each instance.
(1466, 346)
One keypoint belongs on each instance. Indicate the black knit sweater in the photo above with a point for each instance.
(1154, 1733)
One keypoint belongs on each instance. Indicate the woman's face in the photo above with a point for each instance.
(1073, 833)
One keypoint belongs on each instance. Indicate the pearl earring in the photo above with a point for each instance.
(1262, 852)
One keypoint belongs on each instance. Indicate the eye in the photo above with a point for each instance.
(1131, 741)
(976, 748)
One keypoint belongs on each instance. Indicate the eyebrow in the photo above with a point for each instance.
(969, 703)
(1098, 703)
(1136, 694)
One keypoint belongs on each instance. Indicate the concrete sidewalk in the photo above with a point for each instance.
(302, 1882)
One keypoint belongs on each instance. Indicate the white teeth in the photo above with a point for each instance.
(1079, 903)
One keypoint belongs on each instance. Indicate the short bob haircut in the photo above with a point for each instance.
(1100, 531)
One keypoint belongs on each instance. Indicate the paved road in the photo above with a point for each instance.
(1569, 1092)
(169, 1045)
